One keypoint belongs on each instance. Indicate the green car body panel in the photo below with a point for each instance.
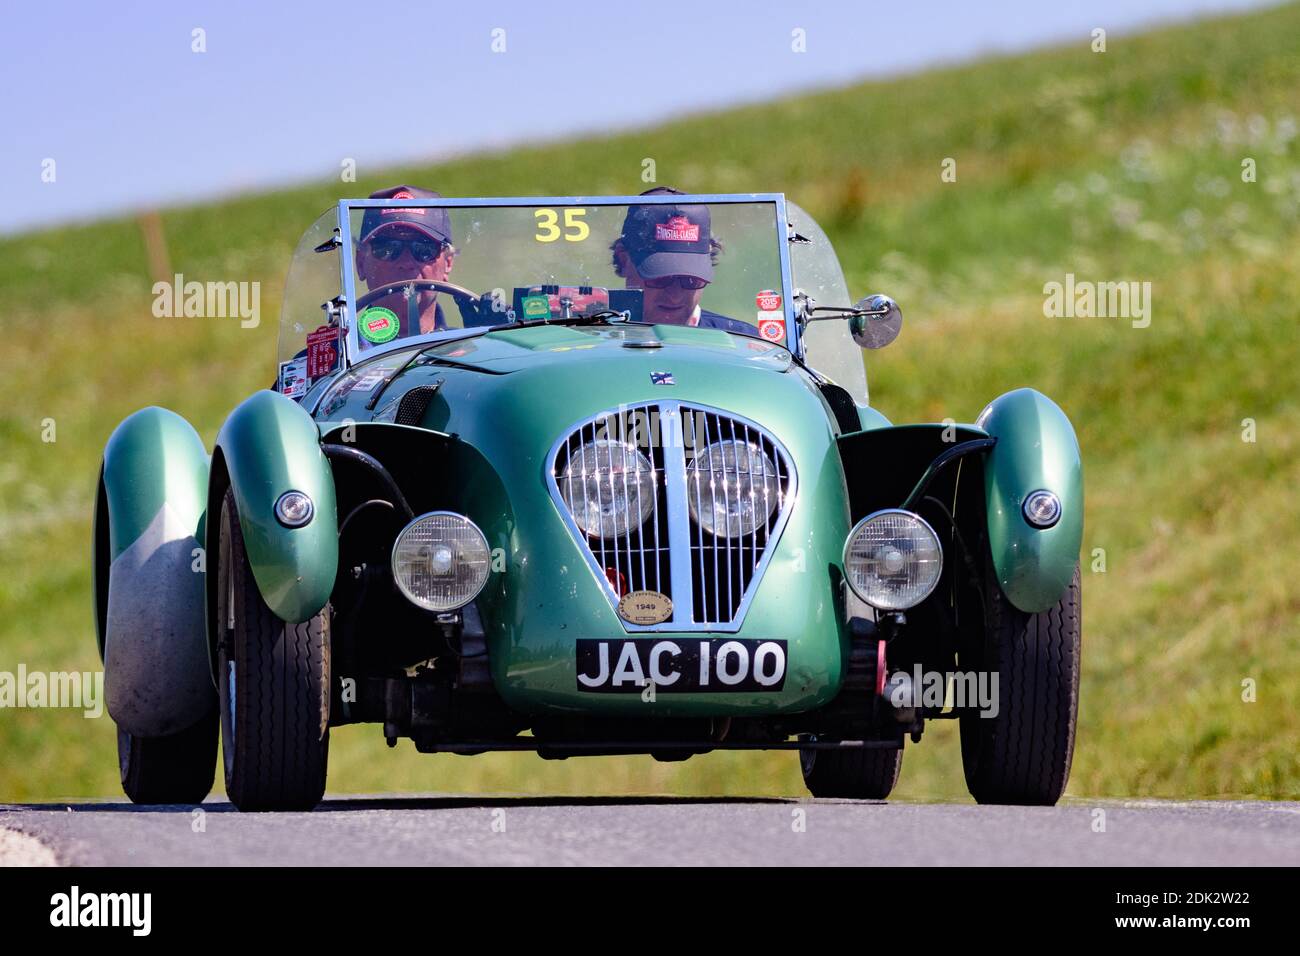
(148, 580)
(515, 393)
(872, 419)
(1036, 449)
(270, 445)
(153, 457)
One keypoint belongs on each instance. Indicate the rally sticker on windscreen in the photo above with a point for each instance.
(771, 325)
(378, 325)
(322, 352)
(293, 377)
(628, 665)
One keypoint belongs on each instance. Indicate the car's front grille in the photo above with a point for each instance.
(632, 484)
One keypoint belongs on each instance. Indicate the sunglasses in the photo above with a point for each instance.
(686, 282)
(390, 250)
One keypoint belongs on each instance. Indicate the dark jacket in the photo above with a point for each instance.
(712, 320)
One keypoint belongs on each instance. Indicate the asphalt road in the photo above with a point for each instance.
(463, 831)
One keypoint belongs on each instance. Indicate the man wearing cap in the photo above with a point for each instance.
(669, 252)
(403, 243)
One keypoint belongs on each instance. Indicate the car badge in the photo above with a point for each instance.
(645, 608)
(662, 378)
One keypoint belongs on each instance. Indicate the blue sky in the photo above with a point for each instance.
(132, 117)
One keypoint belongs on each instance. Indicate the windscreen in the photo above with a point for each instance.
(423, 270)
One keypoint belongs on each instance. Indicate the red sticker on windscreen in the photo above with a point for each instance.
(768, 300)
(771, 329)
(322, 351)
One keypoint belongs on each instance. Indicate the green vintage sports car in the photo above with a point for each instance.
(586, 476)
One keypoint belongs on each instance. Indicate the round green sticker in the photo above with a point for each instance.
(378, 325)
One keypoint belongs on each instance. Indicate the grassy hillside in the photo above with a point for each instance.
(1117, 166)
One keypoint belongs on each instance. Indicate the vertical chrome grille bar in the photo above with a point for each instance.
(749, 480)
(764, 445)
(614, 511)
(725, 541)
(782, 481)
(700, 438)
(753, 499)
(656, 435)
(592, 445)
(780, 488)
(611, 434)
(640, 528)
(568, 463)
(679, 518)
(739, 557)
(713, 500)
(693, 417)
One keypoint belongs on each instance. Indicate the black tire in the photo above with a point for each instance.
(275, 740)
(178, 768)
(1023, 755)
(857, 774)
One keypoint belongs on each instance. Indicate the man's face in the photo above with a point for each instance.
(672, 304)
(401, 263)
(391, 256)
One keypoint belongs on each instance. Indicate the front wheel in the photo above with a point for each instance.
(859, 774)
(1022, 754)
(177, 768)
(273, 679)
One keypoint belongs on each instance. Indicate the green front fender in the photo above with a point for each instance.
(148, 574)
(153, 458)
(1036, 449)
(270, 445)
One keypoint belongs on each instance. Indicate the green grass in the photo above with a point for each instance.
(1123, 165)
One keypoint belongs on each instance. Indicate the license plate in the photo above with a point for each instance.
(628, 665)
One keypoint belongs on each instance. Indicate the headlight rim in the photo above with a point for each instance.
(392, 561)
(771, 471)
(848, 543)
(648, 507)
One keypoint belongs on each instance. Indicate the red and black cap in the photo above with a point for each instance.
(669, 239)
(433, 222)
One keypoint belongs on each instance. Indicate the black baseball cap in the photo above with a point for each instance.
(669, 239)
(432, 221)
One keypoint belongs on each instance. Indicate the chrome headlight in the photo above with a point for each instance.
(732, 487)
(441, 561)
(609, 488)
(893, 559)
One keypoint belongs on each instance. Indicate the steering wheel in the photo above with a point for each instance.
(467, 301)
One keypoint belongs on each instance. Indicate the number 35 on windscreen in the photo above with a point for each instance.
(548, 225)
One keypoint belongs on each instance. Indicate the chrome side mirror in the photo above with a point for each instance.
(876, 321)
